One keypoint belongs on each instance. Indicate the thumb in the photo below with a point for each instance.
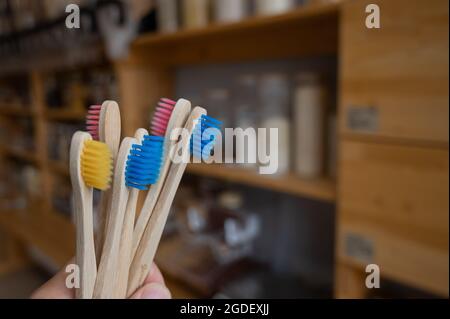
(152, 291)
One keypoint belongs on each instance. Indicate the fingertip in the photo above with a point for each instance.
(152, 291)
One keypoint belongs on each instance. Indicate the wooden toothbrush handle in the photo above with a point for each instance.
(85, 251)
(107, 270)
(103, 208)
(145, 253)
(126, 241)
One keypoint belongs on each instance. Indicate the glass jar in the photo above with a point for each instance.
(274, 100)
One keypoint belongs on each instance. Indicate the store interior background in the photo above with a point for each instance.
(363, 122)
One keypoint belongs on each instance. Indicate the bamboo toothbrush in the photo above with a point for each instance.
(104, 124)
(107, 276)
(90, 167)
(143, 169)
(145, 253)
(165, 120)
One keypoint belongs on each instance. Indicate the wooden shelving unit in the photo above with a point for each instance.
(372, 72)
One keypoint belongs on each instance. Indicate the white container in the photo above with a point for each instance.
(274, 95)
(230, 10)
(195, 13)
(167, 15)
(309, 112)
(268, 7)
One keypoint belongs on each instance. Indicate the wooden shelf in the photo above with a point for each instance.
(16, 111)
(263, 22)
(321, 189)
(52, 234)
(316, 26)
(20, 154)
(65, 115)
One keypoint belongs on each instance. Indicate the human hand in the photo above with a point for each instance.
(153, 288)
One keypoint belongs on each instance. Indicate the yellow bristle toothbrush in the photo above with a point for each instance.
(143, 258)
(107, 276)
(90, 167)
(104, 124)
(143, 169)
(165, 120)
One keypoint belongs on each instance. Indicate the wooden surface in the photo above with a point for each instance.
(396, 197)
(393, 173)
(49, 232)
(400, 69)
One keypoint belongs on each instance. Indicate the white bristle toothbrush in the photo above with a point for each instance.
(90, 167)
(104, 124)
(198, 121)
(143, 169)
(168, 115)
(109, 260)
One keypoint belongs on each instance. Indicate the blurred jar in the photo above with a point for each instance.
(274, 95)
(268, 7)
(309, 110)
(218, 101)
(246, 117)
(195, 13)
(167, 15)
(230, 10)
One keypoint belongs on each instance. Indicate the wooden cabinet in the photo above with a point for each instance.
(393, 211)
(393, 206)
(394, 80)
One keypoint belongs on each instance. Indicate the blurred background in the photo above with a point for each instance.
(363, 139)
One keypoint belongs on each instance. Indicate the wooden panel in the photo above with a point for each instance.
(396, 199)
(400, 69)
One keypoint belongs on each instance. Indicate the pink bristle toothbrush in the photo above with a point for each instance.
(162, 116)
(93, 121)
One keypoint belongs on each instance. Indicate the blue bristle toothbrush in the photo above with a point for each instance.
(200, 123)
(168, 116)
(142, 170)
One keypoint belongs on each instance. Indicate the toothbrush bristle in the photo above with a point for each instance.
(203, 144)
(96, 165)
(162, 116)
(144, 163)
(93, 121)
